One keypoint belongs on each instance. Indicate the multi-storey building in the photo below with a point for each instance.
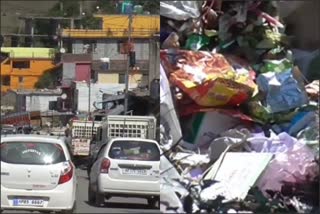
(108, 46)
(21, 68)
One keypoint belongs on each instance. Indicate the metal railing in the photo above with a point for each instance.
(112, 32)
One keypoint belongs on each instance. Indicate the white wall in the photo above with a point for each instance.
(96, 94)
(39, 102)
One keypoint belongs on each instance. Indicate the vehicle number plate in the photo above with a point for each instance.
(28, 202)
(134, 171)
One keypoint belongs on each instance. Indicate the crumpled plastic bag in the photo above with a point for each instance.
(191, 159)
(313, 90)
(282, 91)
(207, 78)
(200, 129)
(170, 186)
(293, 161)
(275, 144)
(276, 65)
(180, 10)
(234, 138)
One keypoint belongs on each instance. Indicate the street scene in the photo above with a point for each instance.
(80, 106)
(149, 106)
(239, 96)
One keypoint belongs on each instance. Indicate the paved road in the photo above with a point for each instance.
(114, 205)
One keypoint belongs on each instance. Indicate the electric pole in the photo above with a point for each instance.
(128, 66)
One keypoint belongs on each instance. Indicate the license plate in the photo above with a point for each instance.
(28, 202)
(134, 171)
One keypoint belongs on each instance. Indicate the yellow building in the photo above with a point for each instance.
(116, 26)
(23, 67)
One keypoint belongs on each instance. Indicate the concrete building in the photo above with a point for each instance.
(23, 67)
(108, 47)
(30, 100)
(82, 91)
(75, 67)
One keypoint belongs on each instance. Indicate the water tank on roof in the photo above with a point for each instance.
(138, 9)
(127, 7)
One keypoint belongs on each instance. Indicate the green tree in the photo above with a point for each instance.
(108, 7)
(90, 22)
(49, 79)
(45, 81)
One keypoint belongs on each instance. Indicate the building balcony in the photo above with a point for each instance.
(108, 33)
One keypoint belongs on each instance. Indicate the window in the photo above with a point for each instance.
(5, 80)
(21, 64)
(119, 46)
(134, 150)
(21, 79)
(32, 153)
(122, 79)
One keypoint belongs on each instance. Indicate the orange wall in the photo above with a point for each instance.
(30, 75)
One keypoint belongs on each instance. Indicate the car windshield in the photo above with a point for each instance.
(32, 153)
(134, 150)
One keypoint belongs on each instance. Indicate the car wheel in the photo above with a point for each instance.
(91, 195)
(154, 202)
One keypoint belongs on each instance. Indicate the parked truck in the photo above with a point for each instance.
(115, 127)
(82, 132)
(22, 121)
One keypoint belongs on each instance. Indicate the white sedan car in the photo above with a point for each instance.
(37, 174)
(126, 167)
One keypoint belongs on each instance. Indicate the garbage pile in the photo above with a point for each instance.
(239, 111)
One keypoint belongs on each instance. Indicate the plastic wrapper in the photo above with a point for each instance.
(313, 90)
(259, 112)
(180, 10)
(275, 144)
(294, 165)
(196, 42)
(300, 121)
(282, 91)
(201, 129)
(239, 15)
(276, 66)
(207, 78)
(172, 41)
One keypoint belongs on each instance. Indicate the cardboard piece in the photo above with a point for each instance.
(237, 173)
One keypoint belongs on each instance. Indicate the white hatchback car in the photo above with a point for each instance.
(126, 167)
(37, 174)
